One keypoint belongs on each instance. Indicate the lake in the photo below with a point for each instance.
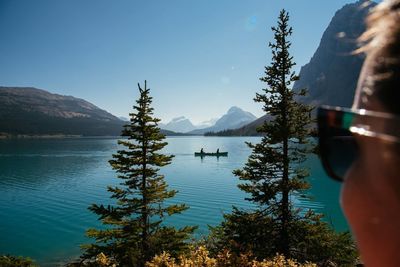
(46, 186)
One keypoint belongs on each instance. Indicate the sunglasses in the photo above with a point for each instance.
(337, 131)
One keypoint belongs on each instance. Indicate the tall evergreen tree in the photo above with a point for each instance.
(273, 176)
(273, 173)
(133, 231)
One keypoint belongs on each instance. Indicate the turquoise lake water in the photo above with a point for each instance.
(47, 185)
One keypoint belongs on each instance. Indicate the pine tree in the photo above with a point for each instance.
(273, 176)
(272, 173)
(134, 231)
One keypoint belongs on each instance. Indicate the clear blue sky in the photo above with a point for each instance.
(200, 57)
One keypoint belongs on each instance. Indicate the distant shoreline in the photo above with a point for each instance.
(66, 136)
(40, 136)
(76, 136)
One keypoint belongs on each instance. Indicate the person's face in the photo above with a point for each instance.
(370, 194)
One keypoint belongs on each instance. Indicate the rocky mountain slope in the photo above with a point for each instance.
(31, 111)
(332, 73)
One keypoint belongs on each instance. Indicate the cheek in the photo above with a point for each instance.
(358, 195)
(351, 194)
(371, 188)
(353, 188)
(389, 183)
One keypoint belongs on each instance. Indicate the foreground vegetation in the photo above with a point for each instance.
(201, 257)
(12, 261)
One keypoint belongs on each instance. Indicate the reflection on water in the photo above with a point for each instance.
(45, 188)
(47, 185)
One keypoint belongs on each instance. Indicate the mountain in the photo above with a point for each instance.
(332, 73)
(179, 125)
(234, 118)
(246, 130)
(206, 124)
(31, 111)
(123, 118)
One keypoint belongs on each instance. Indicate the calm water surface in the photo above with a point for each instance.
(47, 185)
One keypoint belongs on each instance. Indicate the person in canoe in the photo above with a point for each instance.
(201, 151)
(218, 151)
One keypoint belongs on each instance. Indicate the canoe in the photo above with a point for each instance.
(220, 154)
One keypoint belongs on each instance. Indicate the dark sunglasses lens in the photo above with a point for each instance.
(342, 150)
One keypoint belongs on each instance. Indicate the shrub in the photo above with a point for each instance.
(200, 257)
(12, 261)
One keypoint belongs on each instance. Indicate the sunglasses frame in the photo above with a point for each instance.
(356, 121)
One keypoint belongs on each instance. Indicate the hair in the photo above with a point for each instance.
(381, 41)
